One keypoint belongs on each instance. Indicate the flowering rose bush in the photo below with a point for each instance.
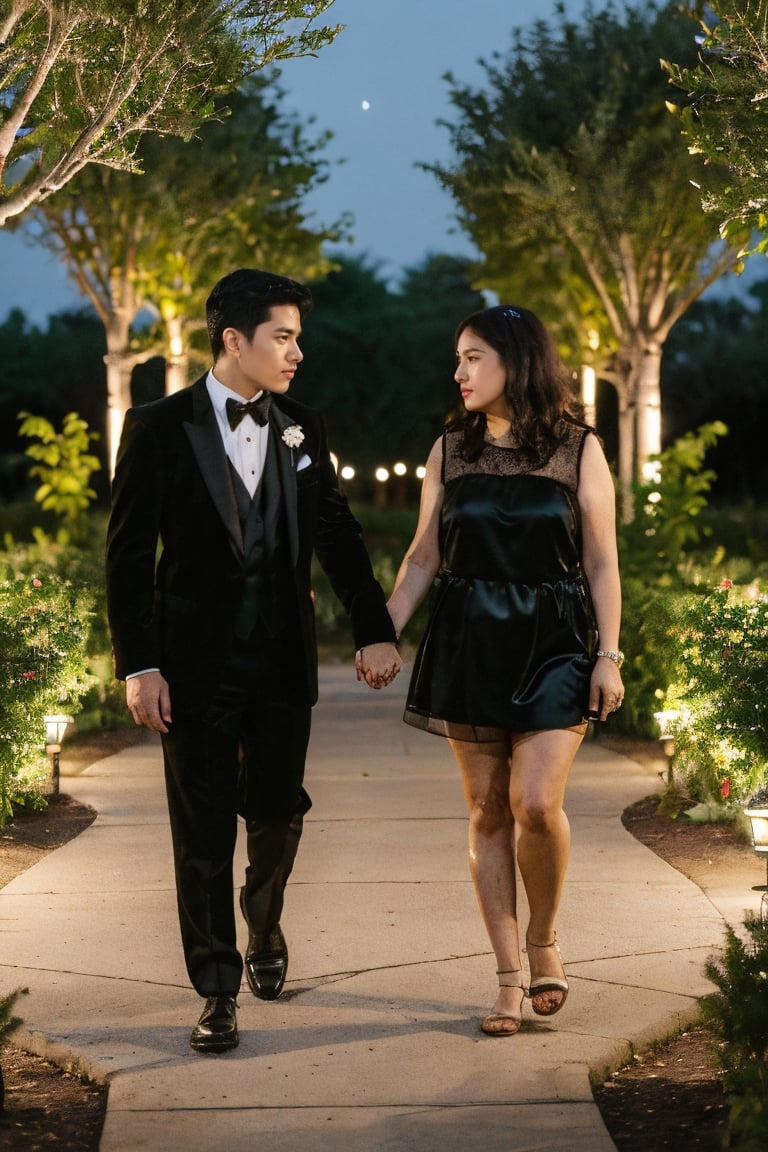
(720, 693)
(44, 625)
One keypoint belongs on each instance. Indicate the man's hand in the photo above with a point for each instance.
(149, 700)
(378, 664)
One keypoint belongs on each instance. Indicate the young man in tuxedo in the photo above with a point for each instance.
(216, 639)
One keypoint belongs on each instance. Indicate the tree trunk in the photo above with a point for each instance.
(120, 311)
(648, 393)
(588, 393)
(120, 362)
(177, 363)
(639, 417)
(626, 457)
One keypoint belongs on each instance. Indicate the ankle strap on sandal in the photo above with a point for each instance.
(518, 972)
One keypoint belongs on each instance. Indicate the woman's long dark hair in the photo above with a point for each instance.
(538, 388)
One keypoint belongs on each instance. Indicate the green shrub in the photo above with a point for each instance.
(660, 557)
(668, 523)
(719, 691)
(647, 612)
(60, 538)
(102, 703)
(44, 624)
(738, 1015)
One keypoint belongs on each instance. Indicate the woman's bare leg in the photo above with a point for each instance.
(539, 767)
(485, 778)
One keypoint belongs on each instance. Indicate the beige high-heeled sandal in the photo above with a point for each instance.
(546, 983)
(507, 1024)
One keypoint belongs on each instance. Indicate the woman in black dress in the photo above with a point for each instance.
(517, 523)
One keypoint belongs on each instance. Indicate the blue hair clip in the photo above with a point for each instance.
(512, 313)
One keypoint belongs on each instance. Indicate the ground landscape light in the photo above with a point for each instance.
(666, 724)
(55, 727)
(757, 811)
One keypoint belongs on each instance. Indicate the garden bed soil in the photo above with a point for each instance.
(669, 1096)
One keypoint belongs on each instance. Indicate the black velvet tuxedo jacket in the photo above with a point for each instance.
(176, 609)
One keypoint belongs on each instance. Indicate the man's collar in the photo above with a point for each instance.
(219, 393)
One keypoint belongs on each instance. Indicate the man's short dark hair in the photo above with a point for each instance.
(243, 300)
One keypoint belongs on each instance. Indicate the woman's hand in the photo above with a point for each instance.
(606, 690)
(377, 664)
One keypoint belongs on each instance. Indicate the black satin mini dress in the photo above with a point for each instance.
(511, 639)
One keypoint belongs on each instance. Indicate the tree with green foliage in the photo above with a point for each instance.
(715, 367)
(434, 296)
(349, 357)
(239, 191)
(573, 181)
(81, 82)
(231, 196)
(64, 466)
(380, 360)
(725, 113)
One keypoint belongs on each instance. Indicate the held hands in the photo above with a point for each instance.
(149, 700)
(377, 664)
(606, 691)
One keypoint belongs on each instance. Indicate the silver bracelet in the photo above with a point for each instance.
(617, 657)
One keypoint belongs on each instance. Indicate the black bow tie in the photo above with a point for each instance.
(258, 409)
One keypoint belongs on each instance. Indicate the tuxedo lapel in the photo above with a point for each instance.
(286, 466)
(206, 443)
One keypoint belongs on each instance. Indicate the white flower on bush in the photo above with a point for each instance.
(293, 436)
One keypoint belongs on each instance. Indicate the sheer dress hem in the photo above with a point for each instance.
(476, 733)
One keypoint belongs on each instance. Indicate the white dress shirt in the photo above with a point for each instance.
(246, 446)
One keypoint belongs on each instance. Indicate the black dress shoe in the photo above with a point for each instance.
(266, 964)
(216, 1030)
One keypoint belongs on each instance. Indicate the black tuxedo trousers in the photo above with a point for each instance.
(244, 754)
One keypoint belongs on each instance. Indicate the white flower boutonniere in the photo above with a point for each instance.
(293, 436)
